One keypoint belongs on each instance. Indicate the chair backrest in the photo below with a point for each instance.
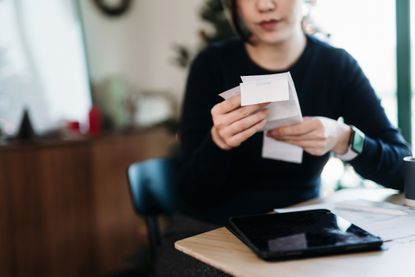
(152, 186)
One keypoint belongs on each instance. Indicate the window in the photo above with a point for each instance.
(413, 68)
(367, 30)
(42, 65)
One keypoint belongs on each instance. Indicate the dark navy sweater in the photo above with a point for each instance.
(329, 82)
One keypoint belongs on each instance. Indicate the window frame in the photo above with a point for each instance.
(403, 68)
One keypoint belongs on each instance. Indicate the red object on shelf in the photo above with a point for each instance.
(95, 121)
(74, 126)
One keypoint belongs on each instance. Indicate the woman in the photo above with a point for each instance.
(222, 172)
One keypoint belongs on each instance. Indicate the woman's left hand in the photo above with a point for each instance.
(316, 135)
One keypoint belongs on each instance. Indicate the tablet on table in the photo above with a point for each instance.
(280, 236)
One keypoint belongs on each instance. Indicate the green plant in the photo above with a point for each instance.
(219, 28)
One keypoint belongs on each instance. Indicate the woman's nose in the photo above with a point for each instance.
(266, 5)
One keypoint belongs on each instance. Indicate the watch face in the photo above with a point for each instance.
(358, 141)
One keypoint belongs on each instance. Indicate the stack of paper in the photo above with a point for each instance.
(279, 90)
(389, 221)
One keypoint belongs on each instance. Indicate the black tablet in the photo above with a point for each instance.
(281, 236)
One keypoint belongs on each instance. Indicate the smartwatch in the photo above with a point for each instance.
(356, 142)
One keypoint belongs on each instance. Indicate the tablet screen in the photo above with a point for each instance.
(305, 230)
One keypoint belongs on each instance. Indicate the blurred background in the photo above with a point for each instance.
(90, 86)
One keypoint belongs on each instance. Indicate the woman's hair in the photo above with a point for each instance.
(232, 11)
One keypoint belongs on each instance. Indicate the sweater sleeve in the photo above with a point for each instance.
(202, 164)
(382, 157)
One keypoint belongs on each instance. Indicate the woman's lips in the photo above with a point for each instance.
(269, 25)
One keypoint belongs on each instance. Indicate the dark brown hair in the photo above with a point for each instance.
(237, 23)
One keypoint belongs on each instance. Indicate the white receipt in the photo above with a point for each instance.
(230, 92)
(282, 112)
(284, 109)
(263, 91)
(278, 150)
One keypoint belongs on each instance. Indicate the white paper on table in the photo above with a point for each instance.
(282, 113)
(381, 223)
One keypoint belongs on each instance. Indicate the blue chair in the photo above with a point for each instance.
(152, 190)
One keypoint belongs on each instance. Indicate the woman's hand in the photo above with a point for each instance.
(316, 135)
(233, 124)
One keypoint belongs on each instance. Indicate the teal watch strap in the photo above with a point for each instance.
(357, 140)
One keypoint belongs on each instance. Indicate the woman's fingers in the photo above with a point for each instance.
(306, 127)
(218, 140)
(242, 113)
(233, 124)
(240, 137)
(313, 147)
(224, 107)
(233, 135)
(314, 135)
(223, 119)
(243, 124)
(307, 143)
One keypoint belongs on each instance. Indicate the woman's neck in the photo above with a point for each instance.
(279, 56)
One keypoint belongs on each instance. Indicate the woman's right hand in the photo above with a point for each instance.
(233, 124)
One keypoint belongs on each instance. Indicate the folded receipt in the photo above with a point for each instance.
(279, 91)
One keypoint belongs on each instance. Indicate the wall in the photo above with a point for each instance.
(139, 45)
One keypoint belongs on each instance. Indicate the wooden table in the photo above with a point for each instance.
(221, 249)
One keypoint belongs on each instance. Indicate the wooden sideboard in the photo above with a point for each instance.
(5, 232)
(65, 208)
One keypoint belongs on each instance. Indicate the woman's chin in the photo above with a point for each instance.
(272, 39)
(275, 38)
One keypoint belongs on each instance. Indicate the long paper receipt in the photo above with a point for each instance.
(279, 90)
